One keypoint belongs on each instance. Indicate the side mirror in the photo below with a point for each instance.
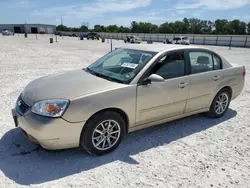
(153, 78)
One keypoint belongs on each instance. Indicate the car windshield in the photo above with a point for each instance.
(176, 38)
(120, 65)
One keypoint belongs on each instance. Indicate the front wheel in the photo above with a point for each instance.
(103, 133)
(220, 104)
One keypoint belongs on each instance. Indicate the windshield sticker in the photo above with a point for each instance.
(127, 76)
(129, 65)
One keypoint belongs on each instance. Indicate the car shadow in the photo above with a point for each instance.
(26, 163)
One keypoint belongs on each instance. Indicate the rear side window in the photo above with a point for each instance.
(200, 62)
(217, 62)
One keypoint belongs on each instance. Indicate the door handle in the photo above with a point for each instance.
(215, 78)
(183, 85)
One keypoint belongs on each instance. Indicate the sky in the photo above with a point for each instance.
(74, 13)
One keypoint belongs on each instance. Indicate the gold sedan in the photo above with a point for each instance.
(130, 88)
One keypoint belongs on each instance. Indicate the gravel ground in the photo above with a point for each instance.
(192, 152)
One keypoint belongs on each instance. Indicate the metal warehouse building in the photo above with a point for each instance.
(29, 28)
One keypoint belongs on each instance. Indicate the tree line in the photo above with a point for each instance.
(186, 26)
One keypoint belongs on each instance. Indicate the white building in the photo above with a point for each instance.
(29, 28)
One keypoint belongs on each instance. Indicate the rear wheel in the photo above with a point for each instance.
(220, 104)
(103, 133)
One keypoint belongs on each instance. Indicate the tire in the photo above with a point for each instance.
(89, 132)
(213, 113)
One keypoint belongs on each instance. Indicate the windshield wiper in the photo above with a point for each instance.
(108, 78)
(88, 70)
(103, 76)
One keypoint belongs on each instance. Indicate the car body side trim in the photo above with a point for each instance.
(165, 120)
(161, 106)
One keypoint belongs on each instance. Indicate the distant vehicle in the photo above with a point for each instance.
(42, 30)
(133, 39)
(180, 40)
(130, 88)
(92, 36)
(7, 32)
(167, 41)
(58, 33)
(73, 35)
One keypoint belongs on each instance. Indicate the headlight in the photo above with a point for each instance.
(50, 108)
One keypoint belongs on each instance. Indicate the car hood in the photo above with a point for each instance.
(67, 85)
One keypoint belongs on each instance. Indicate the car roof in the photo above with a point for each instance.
(160, 47)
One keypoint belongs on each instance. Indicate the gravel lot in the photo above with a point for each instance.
(192, 152)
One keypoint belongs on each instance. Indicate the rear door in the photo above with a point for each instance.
(205, 74)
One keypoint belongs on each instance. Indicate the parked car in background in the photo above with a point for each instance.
(180, 40)
(58, 33)
(133, 39)
(93, 36)
(7, 32)
(73, 35)
(130, 88)
(167, 41)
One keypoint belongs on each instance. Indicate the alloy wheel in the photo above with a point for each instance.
(221, 103)
(106, 135)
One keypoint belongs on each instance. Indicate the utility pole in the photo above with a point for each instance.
(61, 21)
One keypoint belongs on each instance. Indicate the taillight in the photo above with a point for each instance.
(244, 71)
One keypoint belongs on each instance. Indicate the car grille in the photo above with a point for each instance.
(23, 107)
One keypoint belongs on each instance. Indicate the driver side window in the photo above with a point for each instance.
(170, 66)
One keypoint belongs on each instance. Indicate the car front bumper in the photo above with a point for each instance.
(50, 133)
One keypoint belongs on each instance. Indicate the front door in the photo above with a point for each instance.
(161, 100)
